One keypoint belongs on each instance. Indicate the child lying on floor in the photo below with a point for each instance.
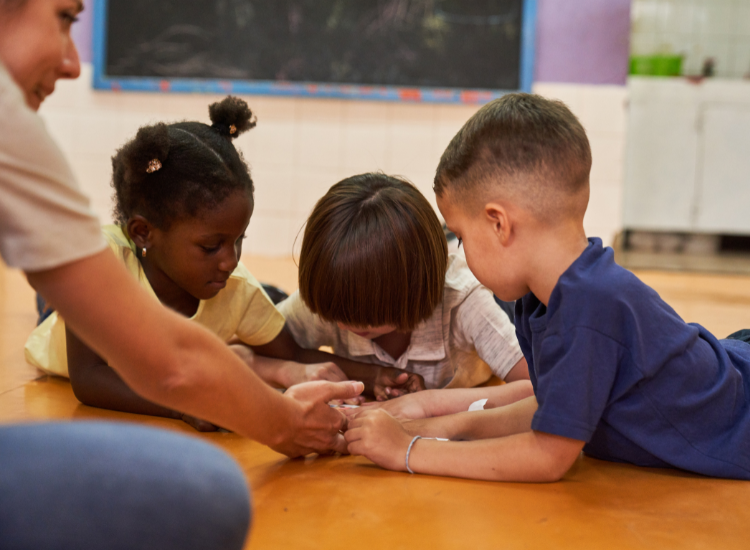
(377, 285)
(184, 198)
(616, 372)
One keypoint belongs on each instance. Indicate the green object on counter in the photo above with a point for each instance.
(656, 65)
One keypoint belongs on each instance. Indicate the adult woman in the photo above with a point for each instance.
(90, 496)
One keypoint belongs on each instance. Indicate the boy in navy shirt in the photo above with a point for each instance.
(616, 372)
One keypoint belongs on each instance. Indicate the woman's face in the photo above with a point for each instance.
(36, 47)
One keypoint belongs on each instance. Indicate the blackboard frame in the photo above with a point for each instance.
(309, 89)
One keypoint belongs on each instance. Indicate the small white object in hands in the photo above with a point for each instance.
(478, 405)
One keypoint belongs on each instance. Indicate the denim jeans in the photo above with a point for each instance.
(104, 485)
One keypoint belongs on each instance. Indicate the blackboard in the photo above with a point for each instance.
(413, 50)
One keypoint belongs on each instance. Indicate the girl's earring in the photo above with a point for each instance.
(143, 255)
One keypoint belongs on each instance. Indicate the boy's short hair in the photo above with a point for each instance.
(523, 135)
(373, 254)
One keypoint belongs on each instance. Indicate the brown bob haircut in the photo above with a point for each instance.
(519, 135)
(373, 254)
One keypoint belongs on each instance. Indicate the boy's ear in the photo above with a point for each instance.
(497, 215)
(140, 231)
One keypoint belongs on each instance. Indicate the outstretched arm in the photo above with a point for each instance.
(527, 456)
(433, 403)
(179, 364)
(381, 382)
(96, 384)
(282, 373)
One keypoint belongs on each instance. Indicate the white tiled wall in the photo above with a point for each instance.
(698, 29)
(303, 146)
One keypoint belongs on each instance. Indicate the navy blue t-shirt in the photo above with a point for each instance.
(614, 366)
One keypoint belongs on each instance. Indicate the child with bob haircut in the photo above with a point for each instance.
(377, 285)
(183, 200)
(616, 372)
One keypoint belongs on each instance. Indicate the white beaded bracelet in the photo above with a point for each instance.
(408, 452)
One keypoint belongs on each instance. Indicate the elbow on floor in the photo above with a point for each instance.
(556, 467)
(83, 392)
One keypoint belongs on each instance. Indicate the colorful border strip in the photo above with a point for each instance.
(310, 89)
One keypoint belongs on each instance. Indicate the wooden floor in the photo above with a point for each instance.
(344, 503)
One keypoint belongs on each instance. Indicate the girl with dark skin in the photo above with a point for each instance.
(186, 219)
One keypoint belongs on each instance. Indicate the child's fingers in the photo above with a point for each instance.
(358, 420)
(364, 408)
(350, 413)
(379, 392)
(354, 423)
(356, 448)
(340, 445)
(416, 383)
(352, 436)
(402, 378)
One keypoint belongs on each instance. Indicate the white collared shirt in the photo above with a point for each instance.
(465, 341)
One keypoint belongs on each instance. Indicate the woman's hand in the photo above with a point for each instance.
(315, 427)
(391, 382)
(326, 371)
(379, 437)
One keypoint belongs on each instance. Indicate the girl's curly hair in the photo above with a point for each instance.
(198, 166)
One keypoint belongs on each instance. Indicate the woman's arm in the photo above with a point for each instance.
(96, 384)
(527, 456)
(179, 364)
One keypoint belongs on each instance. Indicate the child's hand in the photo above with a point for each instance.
(391, 382)
(198, 424)
(324, 371)
(332, 373)
(378, 436)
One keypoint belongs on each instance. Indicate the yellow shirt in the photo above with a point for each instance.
(241, 308)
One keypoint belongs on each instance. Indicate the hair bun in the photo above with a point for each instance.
(231, 117)
(146, 152)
